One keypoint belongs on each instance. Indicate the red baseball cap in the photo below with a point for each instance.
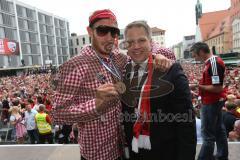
(102, 14)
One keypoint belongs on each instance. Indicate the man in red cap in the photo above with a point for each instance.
(89, 87)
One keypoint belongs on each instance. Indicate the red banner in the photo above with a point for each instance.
(9, 47)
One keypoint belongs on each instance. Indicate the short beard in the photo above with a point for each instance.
(97, 48)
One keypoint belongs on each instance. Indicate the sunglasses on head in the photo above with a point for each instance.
(104, 30)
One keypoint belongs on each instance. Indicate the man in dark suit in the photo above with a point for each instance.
(158, 116)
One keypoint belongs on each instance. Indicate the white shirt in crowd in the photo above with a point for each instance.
(30, 119)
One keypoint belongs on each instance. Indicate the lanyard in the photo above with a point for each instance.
(113, 70)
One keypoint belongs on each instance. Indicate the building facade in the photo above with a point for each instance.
(187, 43)
(78, 42)
(236, 35)
(158, 35)
(43, 38)
(217, 29)
(220, 39)
(178, 50)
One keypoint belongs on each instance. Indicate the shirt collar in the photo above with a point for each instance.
(143, 65)
(209, 58)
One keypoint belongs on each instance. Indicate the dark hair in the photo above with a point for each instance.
(15, 102)
(5, 104)
(30, 101)
(200, 46)
(40, 100)
(23, 105)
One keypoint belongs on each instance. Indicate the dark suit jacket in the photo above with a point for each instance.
(170, 96)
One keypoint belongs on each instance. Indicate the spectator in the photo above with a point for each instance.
(44, 123)
(31, 124)
(235, 134)
(39, 101)
(228, 116)
(17, 121)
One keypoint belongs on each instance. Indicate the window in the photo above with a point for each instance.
(5, 5)
(19, 10)
(43, 39)
(2, 33)
(1, 18)
(64, 41)
(32, 26)
(83, 40)
(49, 30)
(10, 33)
(33, 37)
(36, 60)
(56, 22)
(76, 51)
(35, 49)
(42, 28)
(65, 58)
(71, 51)
(8, 20)
(41, 18)
(50, 40)
(51, 50)
(59, 50)
(23, 24)
(64, 50)
(77, 42)
(11, 8)
(24, 36)
(63, 32)
(28, 60)
(48, 20)
(57, 32)
(29, 13)
(24, 12)
(90, 40)
(61, 23)
(60, 60)
(53, 59)
(44, 49)
(26, 49)
(58, 41)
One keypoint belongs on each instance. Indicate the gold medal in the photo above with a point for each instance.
(120, 86)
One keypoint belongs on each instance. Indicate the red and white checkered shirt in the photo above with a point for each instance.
(157, 49)
(75, 103)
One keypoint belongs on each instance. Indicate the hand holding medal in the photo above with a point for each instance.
(116, 75)
(120, 87)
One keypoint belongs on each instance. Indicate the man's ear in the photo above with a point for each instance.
(90, 31)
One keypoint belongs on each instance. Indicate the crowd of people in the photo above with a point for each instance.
(24, 100)
(35, 88)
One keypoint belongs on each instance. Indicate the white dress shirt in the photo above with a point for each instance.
(141, 71)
